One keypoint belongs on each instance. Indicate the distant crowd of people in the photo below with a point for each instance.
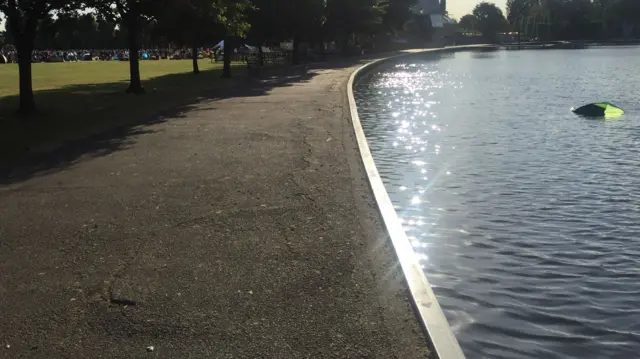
(11, 56)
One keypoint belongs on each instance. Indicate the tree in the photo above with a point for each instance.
(106, 35)
(518, 10)
(469, 23)
(491, 21)
(130, 14)
(346, 18)
(625, 17)
(64, 32)
(574, 19)
(22, 21)
(298, 20)
(398, 13)
(420, 29)
(530, 17)
(578, 22)
(87, 25)
(265, 23)
(233, 15)
(302, 18)
(3, 34)
(189, 23)
(76, 31)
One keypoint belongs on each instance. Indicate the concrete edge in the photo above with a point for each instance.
(428, 311)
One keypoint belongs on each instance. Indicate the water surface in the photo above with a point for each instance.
(525, 217)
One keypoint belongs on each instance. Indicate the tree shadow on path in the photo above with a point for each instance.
(81, 122)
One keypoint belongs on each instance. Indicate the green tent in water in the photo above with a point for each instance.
(599, 109)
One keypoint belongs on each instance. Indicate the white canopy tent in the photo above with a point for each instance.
(252, 49)
(255, 49)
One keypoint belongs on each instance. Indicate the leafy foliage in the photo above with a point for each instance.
(469, 23)
(574, 19)
(23, 17)
(233, 16)
(348, 17)
(490, 20)
(22, 21)
(190, 22)
(398, 13)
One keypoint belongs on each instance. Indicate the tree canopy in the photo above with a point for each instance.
(23, 18)
(562, 19)
(132, 24)
(574, 19)
(398, 13)
(348, 18)
(489, 20)
(469, 23)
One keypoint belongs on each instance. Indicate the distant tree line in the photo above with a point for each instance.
(77, 31)
(557, 19)
(575, 19)
(131, 24)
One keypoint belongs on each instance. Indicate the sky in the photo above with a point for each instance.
(459, 8)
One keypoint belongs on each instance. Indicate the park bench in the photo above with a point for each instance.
(275, 58)
(255, 66)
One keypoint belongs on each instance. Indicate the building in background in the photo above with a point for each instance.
(436, 12)
(427, 7)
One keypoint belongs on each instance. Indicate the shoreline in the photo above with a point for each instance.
(566, 45)
(425, 304)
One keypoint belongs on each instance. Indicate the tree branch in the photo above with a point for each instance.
(11, 8)
(13, 19)
(121, 9)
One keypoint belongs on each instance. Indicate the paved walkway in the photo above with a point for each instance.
(240, 227)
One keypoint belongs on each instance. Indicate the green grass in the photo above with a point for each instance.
(75, 100)
(48, 76)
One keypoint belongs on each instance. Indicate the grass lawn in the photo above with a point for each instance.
(78, 99)
(49, 76)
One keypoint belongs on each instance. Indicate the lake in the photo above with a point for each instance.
(526, 218)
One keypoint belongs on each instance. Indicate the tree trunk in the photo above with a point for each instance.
(295, 59)
(23, 32)
(261, 54)
(27, 102)
(135, 85)
(322, 52)
(228, 49)
(344, 44)
(194, 55)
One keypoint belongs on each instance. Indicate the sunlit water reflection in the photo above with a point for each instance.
(526, 218)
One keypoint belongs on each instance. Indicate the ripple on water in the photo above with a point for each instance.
(526, 218)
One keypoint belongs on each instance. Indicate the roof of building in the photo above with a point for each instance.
(427, 6)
